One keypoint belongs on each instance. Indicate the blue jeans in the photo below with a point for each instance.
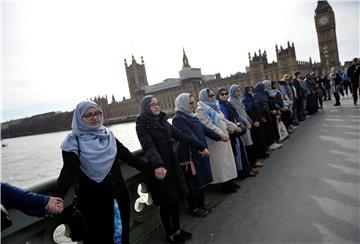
(328, 93)
(303, 109)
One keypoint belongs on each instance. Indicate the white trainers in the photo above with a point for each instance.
(278, 144)
(274, 146)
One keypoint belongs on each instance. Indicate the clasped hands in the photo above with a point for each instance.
(54, 206)
(160, 172)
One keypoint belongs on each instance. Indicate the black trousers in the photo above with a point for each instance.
(170, 218)
(355, 91)
(258, 138)
(337, 97)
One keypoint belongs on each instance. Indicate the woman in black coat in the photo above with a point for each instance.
(168, 185)
(91, 155)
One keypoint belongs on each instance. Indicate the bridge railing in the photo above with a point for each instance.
(26, 229)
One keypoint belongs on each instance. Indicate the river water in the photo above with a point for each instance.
(28, 160)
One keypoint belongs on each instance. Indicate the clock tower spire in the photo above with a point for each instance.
(326, 33)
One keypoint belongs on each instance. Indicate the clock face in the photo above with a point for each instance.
(323, 20)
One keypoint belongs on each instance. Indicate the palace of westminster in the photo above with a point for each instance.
(191, 79)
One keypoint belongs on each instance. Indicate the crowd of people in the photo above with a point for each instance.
(224, 137)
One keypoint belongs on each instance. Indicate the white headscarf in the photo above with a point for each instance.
(182, 104)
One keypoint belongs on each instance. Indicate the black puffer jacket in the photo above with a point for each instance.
(157, 138)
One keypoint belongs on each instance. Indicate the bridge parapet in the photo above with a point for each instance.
(26, 229)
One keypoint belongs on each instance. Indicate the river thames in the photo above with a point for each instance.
(32, 159)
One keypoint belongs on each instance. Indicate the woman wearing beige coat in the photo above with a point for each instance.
(222, 161)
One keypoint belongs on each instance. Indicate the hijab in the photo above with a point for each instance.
(248, 99)
(97, 145)
(260, 94)
(268, 88)
(237, 103)
(204, 98)
(205, 103)
(182, 104)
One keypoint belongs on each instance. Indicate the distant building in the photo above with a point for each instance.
(192, 80)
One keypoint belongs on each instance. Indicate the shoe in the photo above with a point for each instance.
(252, 174)
(337, 104)
(207, 208)
(255, 171)
(275, 146)
(279, 144)
(258, 165)
(175, 238)
(187, 235)
(236, 186)
(199, 212)
(228, 188)
(267, 155)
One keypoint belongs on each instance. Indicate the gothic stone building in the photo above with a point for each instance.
(191, 79)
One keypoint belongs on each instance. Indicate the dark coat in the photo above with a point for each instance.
(192, 126)
(157, 138)
(97, 199)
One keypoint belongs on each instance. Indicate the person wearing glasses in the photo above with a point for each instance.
(196, 168)
(167, 186)
(91, 155)
(237, 142)
(222, 160)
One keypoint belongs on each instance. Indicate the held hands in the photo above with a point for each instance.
(248, 125)
(256, 124)
(205, 153)
(160, 173)
(224, 138)
(238, 129)
(54, 206)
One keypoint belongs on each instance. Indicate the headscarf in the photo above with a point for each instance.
(145, 109)
(182, 104)
(237, 103)
(208, 110)
(220, 90)
(247, 99)
(268, 88)
(204, 98)
(260, 94)
(97, 145)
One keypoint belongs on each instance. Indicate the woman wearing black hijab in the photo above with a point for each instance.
(167, 186)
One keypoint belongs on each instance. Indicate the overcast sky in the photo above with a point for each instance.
(57, 53)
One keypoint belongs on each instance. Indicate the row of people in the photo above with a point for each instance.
(224, 138)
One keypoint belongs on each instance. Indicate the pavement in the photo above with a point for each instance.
(307, 192)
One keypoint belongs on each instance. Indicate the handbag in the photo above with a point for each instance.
(77, 220)
(282, 130)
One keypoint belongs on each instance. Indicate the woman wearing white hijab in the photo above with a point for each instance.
(91, 155)
(222, 160)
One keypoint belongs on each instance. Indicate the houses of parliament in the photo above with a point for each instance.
(192, 80)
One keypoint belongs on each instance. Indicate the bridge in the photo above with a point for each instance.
(307, 192)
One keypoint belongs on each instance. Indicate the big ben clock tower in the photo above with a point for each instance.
(326, 32)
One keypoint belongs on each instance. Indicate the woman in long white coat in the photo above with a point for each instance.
(222, 161)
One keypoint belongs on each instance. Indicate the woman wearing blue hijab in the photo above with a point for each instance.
(222, 161)
(91, 155)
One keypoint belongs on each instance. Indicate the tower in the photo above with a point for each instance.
(136, 76)
(326, 32)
